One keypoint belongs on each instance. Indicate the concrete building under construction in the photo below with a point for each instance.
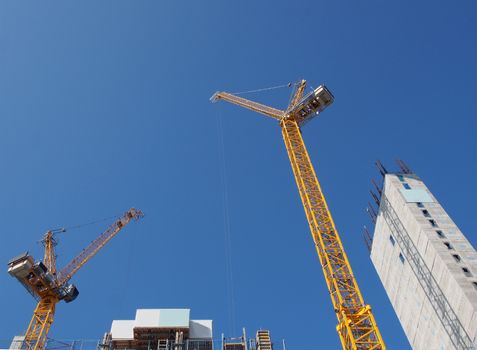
(160, 329)
(172, 329)
(426, 265)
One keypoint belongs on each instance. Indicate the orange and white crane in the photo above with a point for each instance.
(356, 327)
(48, 286)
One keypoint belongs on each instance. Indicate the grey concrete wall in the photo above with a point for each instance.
(418, 319)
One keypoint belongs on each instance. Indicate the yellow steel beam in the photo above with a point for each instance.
(37, 332)
(298, 95)
(254, 106)
(356, 325)
(50, 258)
(35, 336)
(87, 253)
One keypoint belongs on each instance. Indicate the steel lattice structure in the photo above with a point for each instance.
(48, 287)
(356, 327)
(37, 332)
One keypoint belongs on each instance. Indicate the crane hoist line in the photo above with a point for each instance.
(48, 286)
(357, 328)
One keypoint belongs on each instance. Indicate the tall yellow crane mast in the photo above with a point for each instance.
(356, 327)
(48, 286)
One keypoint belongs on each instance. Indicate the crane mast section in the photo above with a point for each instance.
(49, 258)
(298, 95)
(356, 325)
(254, 106)
(36, 334)
(82, 258)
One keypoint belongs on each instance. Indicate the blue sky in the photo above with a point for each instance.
(104, 106)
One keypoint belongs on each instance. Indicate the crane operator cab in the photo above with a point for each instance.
(311, 105)
(36, 278)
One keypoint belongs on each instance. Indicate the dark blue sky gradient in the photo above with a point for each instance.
(104, 105)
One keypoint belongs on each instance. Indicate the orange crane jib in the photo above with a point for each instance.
(49, 286)
(356, 327)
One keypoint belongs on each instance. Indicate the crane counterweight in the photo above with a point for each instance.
(311, 105)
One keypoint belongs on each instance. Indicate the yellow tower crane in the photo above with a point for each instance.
(48, 286)
(356, 327)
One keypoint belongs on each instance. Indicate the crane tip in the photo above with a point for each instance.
(214, 97)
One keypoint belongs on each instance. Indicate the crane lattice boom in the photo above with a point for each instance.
(356, 327)
(87, 253)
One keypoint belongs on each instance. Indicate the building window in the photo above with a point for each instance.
(401, 257)
(433, 223)
(406, 186)
(448, 245)
(401, 178)
(466, 272)
(391, 238)
(475, 284)
(426, 213)
(420, 205)
(456, 257)
(440, 234)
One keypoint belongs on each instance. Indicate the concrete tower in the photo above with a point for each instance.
(426, 265)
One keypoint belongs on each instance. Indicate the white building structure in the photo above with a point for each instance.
(426, 265)
(160, 329)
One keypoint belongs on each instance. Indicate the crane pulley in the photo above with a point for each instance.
(356, 327)
(49, 286)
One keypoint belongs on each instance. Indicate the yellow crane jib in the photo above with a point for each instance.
(356, 327)
(48, 286)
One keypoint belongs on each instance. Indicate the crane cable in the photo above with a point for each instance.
(264, 89)
(227, 235)
(64, 229)
(74, 227)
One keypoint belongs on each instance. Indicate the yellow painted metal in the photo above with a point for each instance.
(37, 332)
(49, 259)
(87, 253)
(356, 327)
(298, 95)
(254, 106)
